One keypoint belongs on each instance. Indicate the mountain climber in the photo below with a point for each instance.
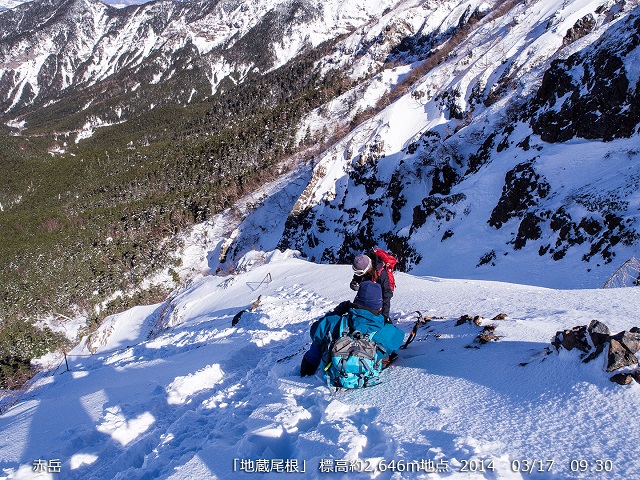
(370, 266)
(362, 315)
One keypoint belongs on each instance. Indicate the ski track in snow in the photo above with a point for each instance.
(200, 398)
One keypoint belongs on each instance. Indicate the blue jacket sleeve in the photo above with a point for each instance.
(322, 329)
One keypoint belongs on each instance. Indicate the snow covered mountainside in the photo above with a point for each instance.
(7, 4)
(173, 390)
(51, 50)
(486, 143)
(502, 134)
(499, 142)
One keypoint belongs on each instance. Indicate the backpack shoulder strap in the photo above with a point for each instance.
(342, 327)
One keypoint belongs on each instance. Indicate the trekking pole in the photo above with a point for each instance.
(64, 351)
(412, 335)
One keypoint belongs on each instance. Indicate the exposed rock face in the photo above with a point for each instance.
(425, 188)
(592, 94)
(582, 27)
(522, 189)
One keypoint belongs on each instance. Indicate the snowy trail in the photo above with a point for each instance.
(203, 398)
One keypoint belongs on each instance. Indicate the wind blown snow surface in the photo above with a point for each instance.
(173, 390)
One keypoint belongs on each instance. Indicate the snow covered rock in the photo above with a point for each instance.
(593, 93)
(593, 340)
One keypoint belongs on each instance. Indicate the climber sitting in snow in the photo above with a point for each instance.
(362, 326)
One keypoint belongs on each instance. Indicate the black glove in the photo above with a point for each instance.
(355, 285)
(307, 368)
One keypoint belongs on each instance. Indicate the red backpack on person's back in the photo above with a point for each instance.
(388, 264)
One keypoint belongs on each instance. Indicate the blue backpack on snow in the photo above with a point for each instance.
(355, 359)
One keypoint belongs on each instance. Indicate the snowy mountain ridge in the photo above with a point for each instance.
(8, 4)
(458, 124)
(78, 44)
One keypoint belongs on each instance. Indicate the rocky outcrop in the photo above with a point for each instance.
(592, 94)
(582, 27)
(592, 340)
(523, 189)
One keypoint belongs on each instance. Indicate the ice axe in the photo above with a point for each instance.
(412, 335)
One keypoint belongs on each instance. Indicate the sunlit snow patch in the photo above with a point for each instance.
(81, 459)
(182, 387)
(125, 431)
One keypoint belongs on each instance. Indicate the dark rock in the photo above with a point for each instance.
(582, 27)
(437, 207)
(237, 317)
(590, 94)
(464, 319)
(574, 338)
(489, 329)
(598, 332)
(622, 378)
(629, 340)
(500, 316)
(619, 357)
(486, 338)
(595, 354)
(487, 335)
(487, 258)
(529, 230)
(443, 179)
(523, 188)
(478, 320)
(447, 234)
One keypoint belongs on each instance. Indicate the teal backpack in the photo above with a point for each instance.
(355, 360)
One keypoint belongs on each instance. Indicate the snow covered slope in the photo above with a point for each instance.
(500, 134)
(7, 4)
(501, 142)
(174, 391)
